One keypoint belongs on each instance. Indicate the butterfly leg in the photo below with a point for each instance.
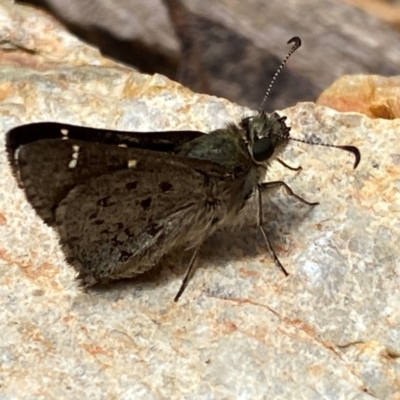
(262, 188)
(267, 241)
(189, 274)
(268, 185)
(299, 168)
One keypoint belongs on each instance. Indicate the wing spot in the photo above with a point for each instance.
(146, 203)
(64, 133)
(75, 154)
(165, 186)
(132, 163)
(122, 145)
(16, 154)
(153, 229)
(131, 185)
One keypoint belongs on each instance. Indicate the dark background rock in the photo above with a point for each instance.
(231, 49)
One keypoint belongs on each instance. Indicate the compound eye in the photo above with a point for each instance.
(263, 149)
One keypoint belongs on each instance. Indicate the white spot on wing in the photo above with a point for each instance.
(75, 154)
(64, 133)
(132, 163)
(122, 145)
(16, 155)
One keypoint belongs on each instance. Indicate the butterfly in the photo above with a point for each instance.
(120, 201)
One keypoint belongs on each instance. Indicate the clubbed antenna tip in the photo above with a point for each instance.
(355, 151)
(297, 43)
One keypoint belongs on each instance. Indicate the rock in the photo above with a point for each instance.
(232, 48)
(32, 39)
(247, 45)
(124, 19)
(372, 95)
(386, 10)
(332, 327)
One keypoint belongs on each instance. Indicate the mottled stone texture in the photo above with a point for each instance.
(241, 330)
(372, 95)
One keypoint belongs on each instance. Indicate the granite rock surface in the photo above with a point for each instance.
(241, 330)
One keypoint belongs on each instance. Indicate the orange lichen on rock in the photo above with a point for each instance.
(372, 95)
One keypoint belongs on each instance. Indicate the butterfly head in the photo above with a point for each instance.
(266, 135)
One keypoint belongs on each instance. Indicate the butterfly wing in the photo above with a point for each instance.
(40, 168)
(117, 210)
(119, 224)
(164, 141)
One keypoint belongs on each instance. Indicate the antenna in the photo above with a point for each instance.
(297, 43)
(351, 149)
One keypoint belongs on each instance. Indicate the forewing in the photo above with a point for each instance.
(48, 167)
(40, 153)
(164, 141)
(117, 209)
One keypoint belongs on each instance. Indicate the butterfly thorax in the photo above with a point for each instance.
(223, 146)
(245, 151)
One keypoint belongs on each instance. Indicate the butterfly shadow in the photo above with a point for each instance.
(241, 242)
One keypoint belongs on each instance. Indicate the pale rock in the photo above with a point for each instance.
(241, 330)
